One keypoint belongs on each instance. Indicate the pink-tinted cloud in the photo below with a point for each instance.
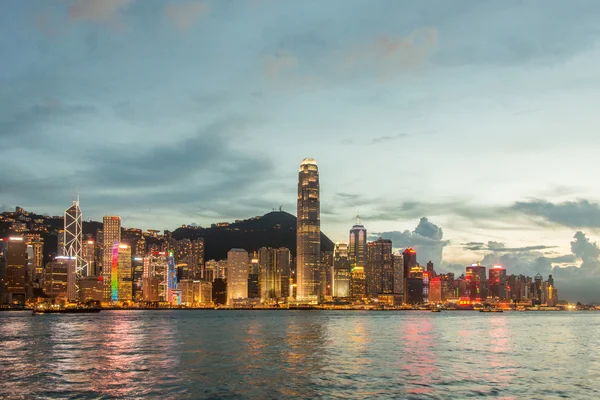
(184, 15)
(97, 10)
(389, 55)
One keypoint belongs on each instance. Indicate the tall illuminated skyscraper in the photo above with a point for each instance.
(269, 275)
(341, 271)
(409, 258)
(124, 270)
(237, 275)
(73, 240)
(111, 234)
(308, 233)
(357, 248)
(379, 271)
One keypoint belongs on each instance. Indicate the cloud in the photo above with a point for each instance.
(390, 55)
(501, 247)
(426, 239)
(575, 283)
(97, 10)
(384, 139)
(278, 63)
(205, 168)
(33, 120)
(573, 214)
(184, 15)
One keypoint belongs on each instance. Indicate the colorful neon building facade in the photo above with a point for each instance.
(114, 273)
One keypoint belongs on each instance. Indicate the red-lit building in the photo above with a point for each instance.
(497, 282)
(410, 261)
(476, 283)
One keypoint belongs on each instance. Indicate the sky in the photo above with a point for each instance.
(468, 129)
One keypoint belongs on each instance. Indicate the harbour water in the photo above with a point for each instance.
(300, 354)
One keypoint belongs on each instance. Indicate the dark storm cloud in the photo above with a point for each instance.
(426, 239)
(573, 214)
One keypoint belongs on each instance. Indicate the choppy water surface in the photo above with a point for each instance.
(300, 354)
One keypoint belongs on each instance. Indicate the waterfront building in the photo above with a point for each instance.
(90, 289)
(73, 238)
(284, 263)
(37, 243)
(326, 274)
(269, 275)
(476, 283)
(13, 271)
(537, 290)
(111, 234)
(341, 271)
(56, 278)
(197, 259)
(253, 284)
(154, 286)
(417, 286)
(358, 283)
(195, 292)
(441, 288)
(124, 273)
(379, 270)
(398, 267)
(237, 275)
(89, 255)
(409, 259)
(357, 247)
(308, 233)
(497, 282)
(219, 291)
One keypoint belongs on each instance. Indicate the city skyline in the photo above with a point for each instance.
(418, 111)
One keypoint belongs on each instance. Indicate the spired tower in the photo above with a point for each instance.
(357, 249)
(308, 233)
(73, 243)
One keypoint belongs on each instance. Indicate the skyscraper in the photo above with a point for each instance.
(124, 270)
(476, 283)
(497, 282)
(269, 275)
(237, 275)
(284, 261)
(410, 261)
(111, 234)
(13, 271)
(379, 271)
(308, 233)
(341, 271)
(357, 249)
(73, 240)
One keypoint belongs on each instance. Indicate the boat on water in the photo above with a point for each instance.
(490, 310)
(66, 311)
(436, 310)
